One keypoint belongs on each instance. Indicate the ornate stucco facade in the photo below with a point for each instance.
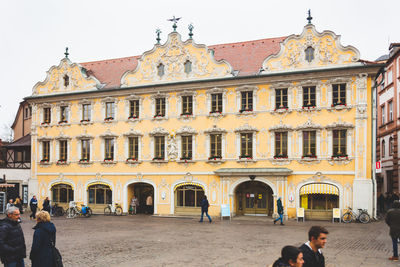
(185, 118)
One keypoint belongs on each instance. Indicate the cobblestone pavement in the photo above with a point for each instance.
(245, 241)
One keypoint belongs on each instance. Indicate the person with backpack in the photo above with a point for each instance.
(280, 211)
(204, 209)
(44, 239)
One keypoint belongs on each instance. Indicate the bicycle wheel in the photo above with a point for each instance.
(118, 211)
(88, 212)
(347, 217)
(107, 211)
(71, 213)
(59, 211)
(364, 218)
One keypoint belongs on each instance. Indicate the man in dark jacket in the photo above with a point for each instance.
(312, 254)
(204, 209)
(280, 211)
(12, 241)
(393, 220)
(33, 205)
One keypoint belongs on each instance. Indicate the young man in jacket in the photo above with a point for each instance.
(280, 211)
(12, 241)
(312, 254)
(33, 205)
(393, 220)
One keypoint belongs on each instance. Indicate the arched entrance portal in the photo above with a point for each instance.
(254, 198)
(62, 194)
(142, 191)
(99, 196)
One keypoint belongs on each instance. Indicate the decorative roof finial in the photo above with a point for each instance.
(309, 16)
(190, 27)
(66, 52)
(175, 20)
(158, 32)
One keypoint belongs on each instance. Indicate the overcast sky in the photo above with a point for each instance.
(34, 34)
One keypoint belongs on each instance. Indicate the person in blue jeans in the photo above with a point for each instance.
(393, 220)
(204, 209)
(280, 211)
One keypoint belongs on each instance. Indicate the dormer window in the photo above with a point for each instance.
(160, 70)
(188, 67)
(66, 80)
(309, 54)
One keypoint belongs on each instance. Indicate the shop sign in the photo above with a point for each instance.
(251, 195)
(259, 196)
(378, 167)
(247, 195)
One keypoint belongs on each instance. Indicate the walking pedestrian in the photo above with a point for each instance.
(280, 211)
(134, 204)
(44, 238)
(204, 209)
(149, 204)
(393, 220)
(12, 241)
(33, 205)
(46, 204)
(18, 204)
(10, 203)
(381, 203)
(388, 202)
(312, 254)
(290, 257)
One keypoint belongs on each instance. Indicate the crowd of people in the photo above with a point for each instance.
(385, 201)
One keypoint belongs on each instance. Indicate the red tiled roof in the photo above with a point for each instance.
(245, 57)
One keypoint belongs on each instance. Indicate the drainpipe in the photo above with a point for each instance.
(373, 150)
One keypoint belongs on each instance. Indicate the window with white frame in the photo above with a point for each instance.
(133, 148)
(47, 115)
(246, 101)
(109, 149)
(85, 150)
(246, 146)
(63, 114)
(133, 109)
(338, 94)
(110, 111)
(389, 77)
(390, 107)
(391, 146)
(309, 144)
(383, 112)
(45, 151)
(309, 96)
(86, 112)
(159, 148)
(383, 154)
(186, 147)
(339, 143)
(281, 145)
(63, 150)
(159, 107)
(187, 105)
(281, 98)
(216, 103)
(215, 146)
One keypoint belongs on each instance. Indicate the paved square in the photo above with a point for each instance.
(245, 241)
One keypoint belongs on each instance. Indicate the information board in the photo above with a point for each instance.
(300, 214)
(225, 211)
(336, 214)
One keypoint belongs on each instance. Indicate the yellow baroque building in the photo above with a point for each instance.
(242, 123)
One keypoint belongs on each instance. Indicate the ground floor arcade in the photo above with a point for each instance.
(247, 191)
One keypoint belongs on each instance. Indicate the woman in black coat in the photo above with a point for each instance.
(46, 204)
(45, 233)
(204, 209)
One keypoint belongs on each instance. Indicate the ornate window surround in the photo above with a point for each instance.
(309, 126)
(85, 102)
(301, 84)
(41, 114)
(59, 138)
(106, 100)
(193, 94)
(159, 131)
(127, 107)
(209, 132)
(104, 136)
(186, 130)
(330, 83)
(281, 128)
(246, 88)
(40, 149)
(139, 135)
(340, 125)
(59, 106)
(81, 137)
(281, 85)
(246, 128)
(212, 91)
(153, 105)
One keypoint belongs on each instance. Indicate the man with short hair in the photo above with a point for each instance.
(312, 254)
(393, 220)
(12, 241)
(33, 205)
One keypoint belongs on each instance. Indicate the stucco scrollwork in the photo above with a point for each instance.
(186, 129)
(215, 129)
(158, 131)
(246, 128)
(133, 132)
(309, 125)
(108, 134)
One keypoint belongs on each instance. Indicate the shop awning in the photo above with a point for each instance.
(319, 188)
(188, 183)
(7, 185)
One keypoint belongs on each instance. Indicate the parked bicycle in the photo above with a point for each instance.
(57, 210)
(116, 210)
(74, 210)
(361, 216)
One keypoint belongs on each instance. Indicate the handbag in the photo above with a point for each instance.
(57, 258)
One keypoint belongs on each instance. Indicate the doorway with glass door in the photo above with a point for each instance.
(254, 198)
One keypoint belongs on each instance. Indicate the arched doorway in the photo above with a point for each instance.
(99, 196)
(318, 200)
(142, 191)
(62, 194)
(254, 198)
(188, 198)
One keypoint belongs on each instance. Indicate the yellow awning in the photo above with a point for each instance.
(319, 188)
(182, 184)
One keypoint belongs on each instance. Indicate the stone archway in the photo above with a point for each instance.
(141, 190)
(254, 198)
